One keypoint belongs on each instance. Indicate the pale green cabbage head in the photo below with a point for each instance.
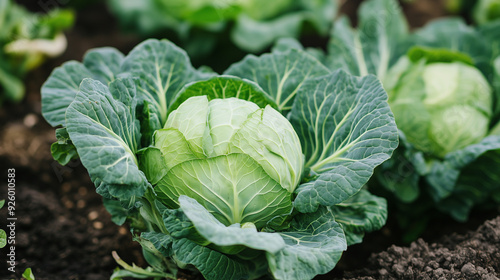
(240, 161)
(441, 107)
(486, 11)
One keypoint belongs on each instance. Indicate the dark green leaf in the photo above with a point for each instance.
(103, 63)
(360, 214)
(163, 69)
(221, 235)
(346, 129)
(314, 244)
(106, 135)
(281, 75)
(375, 45)
(225, 87)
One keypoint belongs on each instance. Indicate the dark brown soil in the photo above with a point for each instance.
(64, 232)
(475, 255)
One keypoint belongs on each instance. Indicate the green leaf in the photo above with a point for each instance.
(151, 162)
(314, 244)
(346, 128)
(63, 83)
(118, 213)
(104, 64)
(443, 175)
(467, 193)
(2, 203)
(212, 264)
(282, 157)
(161, 241)
(179, 226)
(320, 13)
(60, 90)
(3, 238)
(432, 55)
(401, 173)
(360, 214)
(152, 255)
(101, 123)
(281, 75)
(55, 21)
(221, 235)
(11, 87)
(28, 274)
(224, 87)
(496, 88)
(285, 44)
(375, 45)
(453, 34)
(63, 151)
(490, 34)
(163, 69)
(254, 35)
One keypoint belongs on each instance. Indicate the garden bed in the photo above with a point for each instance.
(64, 232)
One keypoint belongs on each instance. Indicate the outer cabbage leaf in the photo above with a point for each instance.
(346, 128)
(102, 125)
(491, 36)
(467, 192)
(376, 43)
(163, 69)
(213, 264)
(443, 175)
(453, 34)
(359, 214)
(401, 173)
(234, 235)
(63, 84)
(60, 90)
(280, 74)
(63, 149)
(225, 87)
(314, 244)
(104, 63)
(161, 241)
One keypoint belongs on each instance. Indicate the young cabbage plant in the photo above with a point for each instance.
(441, 107)
(259, 171)
(26, 41)
(443, 88)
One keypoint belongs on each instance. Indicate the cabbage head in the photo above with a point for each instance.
(442, 106)
(239, 161)
(486, 11)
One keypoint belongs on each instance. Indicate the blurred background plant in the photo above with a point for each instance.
(225, 29)
(479, 11)
(26, 41)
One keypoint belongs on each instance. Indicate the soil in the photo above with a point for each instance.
(64, 232)
(475, 255)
